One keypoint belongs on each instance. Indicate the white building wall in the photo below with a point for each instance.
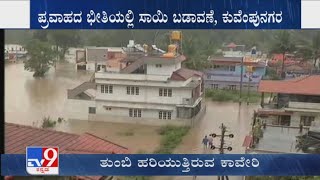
(296, 116)
(124, 112)
(90, 66)
(146, 95)
(165, 69)
(78, 109)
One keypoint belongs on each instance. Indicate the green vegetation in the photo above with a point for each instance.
(41, 58)
(272, 74)
(282, 43)
(48, 122)
(232, 96)
(171, 138)
(129, 132)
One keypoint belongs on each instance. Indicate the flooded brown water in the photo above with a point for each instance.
(29, 99)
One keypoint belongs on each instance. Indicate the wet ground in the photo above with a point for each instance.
(29, 99)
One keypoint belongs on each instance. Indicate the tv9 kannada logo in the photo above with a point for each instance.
(42, 160)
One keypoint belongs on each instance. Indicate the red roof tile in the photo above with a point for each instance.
(232, 45)
(183, 74)
(309, 85)
(17, 137)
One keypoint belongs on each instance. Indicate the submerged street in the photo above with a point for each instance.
(29, 99)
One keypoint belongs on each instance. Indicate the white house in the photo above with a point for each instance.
(15, 49)
(149, 89)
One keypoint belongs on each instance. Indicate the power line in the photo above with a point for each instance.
(222, 146)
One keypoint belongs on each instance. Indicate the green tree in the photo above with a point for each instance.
(282, 44)
(41, 35)
(41, 58)
(311, 50)
(64, 39)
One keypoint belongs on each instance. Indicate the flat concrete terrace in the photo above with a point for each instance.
(278, 140)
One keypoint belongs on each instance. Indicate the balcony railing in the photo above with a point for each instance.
(188, 101)
(304, 105)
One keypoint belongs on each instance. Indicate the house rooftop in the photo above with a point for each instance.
(308, 85)
(183, 74)
(18, 137)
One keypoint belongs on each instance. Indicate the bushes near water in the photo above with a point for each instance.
(232, 96)
(171, 138)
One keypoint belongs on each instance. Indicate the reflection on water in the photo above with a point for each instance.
(29, 99)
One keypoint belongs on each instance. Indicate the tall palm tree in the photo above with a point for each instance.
(311, 51)
(282, 44)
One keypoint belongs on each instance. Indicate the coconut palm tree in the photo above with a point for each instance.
(311, 51)
(282, 44)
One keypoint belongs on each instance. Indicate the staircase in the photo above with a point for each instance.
(132, 67)
(72, 93)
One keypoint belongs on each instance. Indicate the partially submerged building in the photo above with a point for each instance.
(291, 102)
(225, 72)
(99, 58)
(151, 87)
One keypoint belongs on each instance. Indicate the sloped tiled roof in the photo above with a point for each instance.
(18, 137)
(309, 85)
(183, 74)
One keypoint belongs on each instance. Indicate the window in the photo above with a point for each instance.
(107, 108)
(134, 112)
(232, 68)
(169, 92)
(216, 86)
(169, 115)
(160, 115)
(306, 120)
(216, 66)
(132, 90)
(107, 89)
(102, 88)
(165, 92)
(165, 115)
(158, 65)
(92, 110)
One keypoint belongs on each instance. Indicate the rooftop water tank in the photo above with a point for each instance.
(131, 43)
(176, 35)
(168, 55)
(172, 48)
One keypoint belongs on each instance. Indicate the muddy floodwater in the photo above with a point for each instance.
(29, 99)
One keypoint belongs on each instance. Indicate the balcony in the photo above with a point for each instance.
(304, 105)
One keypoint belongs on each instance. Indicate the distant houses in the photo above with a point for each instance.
(14, 52)
(225, 72)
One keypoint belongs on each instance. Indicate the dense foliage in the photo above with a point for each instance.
(41, 57)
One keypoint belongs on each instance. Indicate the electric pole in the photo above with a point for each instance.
(222, 142)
